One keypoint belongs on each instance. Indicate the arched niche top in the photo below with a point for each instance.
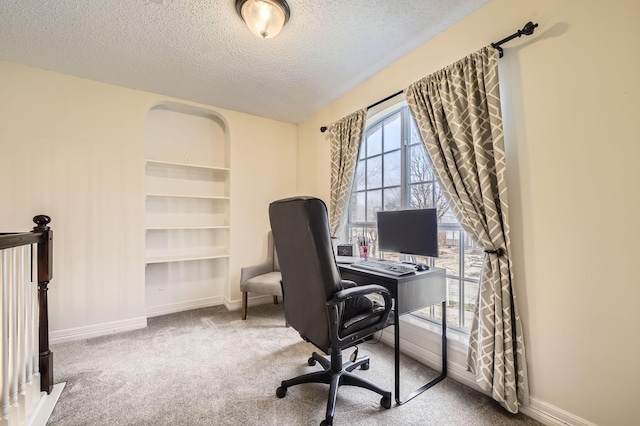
(193, 110)
(186, 134)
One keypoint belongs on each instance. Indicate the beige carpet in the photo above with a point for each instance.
(208, 367)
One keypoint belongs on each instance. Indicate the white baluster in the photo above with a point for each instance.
(21, 373)
(14, 412)
(26, 357)
(33, 383)
(4, 335)
(19, 353)
(35, 321)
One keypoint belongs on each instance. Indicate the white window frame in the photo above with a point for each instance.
(427, 316)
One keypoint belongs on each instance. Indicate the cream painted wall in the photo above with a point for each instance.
(570, 100)
(74, 149)
(264, 169)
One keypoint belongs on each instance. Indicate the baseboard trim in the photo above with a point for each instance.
(543, 412)
(172, 308)
(434, 360)
(234, 305)
(96, 330)
(552, 415)
(112, 327)
(45, 406)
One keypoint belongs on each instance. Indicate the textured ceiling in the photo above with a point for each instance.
(201, 50)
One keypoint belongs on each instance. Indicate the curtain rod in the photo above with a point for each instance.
(528, 29)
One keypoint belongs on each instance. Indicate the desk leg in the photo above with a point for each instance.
(418, 391)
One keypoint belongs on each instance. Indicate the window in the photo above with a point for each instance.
(394, 172)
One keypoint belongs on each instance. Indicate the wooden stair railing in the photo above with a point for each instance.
(42, 236)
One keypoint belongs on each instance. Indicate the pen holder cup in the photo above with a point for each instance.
(364, 251)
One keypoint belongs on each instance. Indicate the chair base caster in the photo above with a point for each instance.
(281, 392)
(385, 402)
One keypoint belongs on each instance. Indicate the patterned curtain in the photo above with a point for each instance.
(457, 111)
(345, 136)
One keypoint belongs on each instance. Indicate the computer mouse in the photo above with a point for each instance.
(421, 267)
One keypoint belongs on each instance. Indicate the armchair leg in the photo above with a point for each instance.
(244, 305)
(275, 300)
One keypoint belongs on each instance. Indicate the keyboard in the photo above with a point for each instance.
(390, 268)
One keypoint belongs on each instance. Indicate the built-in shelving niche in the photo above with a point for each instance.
(187, 202)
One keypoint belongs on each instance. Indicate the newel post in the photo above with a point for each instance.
(45, 274)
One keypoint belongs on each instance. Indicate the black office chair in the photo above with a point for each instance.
(327, 311)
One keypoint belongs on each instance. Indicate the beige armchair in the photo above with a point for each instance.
(263, 278)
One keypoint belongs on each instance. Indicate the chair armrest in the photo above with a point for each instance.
(362, 290)
(249, 272)
(335, 307)
(347, 284)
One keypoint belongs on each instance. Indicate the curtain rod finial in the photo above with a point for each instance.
(323, 129)
(528, 28)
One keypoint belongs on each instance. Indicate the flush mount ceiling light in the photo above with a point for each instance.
(265, 18)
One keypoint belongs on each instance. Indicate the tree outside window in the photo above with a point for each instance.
(394, 172)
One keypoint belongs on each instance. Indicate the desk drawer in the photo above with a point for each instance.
(418, 294)
(411, 292)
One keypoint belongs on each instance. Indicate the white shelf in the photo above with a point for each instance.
(172, 164)
(187, 208)
(185, 182)
(170, 228)
(194, 221)
(206, 197)
(185, 256)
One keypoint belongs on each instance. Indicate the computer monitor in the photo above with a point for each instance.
(409, 232)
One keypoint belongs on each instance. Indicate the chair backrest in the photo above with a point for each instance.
(310, 275)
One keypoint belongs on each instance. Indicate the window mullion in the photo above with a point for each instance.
(382, 160)
(404, 159)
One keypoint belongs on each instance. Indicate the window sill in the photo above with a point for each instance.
(414, 328)
(433, 332)
(422, 340)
